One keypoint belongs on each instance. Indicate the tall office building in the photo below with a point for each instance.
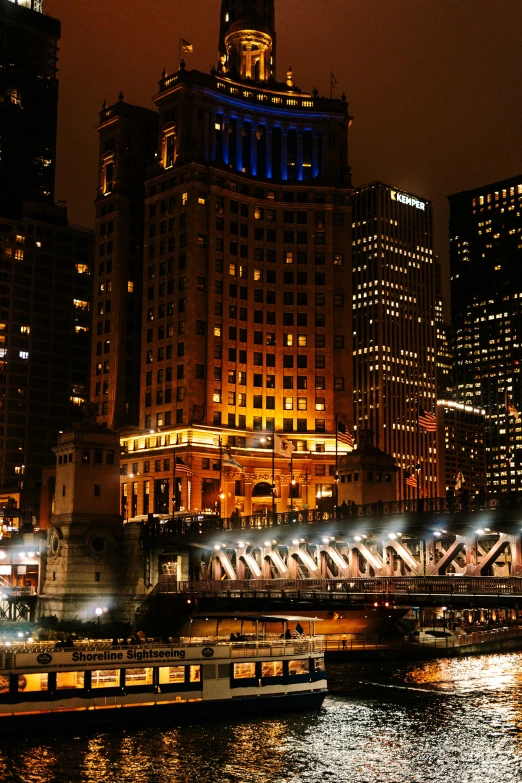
(28, 104)
(45, 289)
(394, 328)
(461, 452)
(444, 346)
(486, 290)
(246, 314)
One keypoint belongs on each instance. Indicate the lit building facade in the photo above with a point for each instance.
(461, 447)
(486, 290)
(444, 350)
(394, 351)
(246, 292)
(28, 104)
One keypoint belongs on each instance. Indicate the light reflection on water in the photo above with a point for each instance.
(443, 721)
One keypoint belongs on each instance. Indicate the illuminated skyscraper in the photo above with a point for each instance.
(486, 294)
(246, 313)
(394, 328)
(28, 104)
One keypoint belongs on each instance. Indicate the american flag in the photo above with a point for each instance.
(181, 467)
(343, 435)
(412, 480)
(428, 421)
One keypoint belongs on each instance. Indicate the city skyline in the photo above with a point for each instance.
(408, 89)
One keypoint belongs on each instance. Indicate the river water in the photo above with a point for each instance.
(441, 721)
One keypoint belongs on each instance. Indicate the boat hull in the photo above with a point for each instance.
(164, 713)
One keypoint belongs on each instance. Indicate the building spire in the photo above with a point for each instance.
(247, 42)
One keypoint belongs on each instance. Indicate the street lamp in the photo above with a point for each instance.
(98, 612)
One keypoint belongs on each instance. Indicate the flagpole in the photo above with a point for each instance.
(336, 477)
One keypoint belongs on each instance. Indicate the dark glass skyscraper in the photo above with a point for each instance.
(28, 104)
(486, 293)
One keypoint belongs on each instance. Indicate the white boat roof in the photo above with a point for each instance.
(264, 618)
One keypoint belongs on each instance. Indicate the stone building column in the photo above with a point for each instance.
(284, 153)
(324, 171)
(226, 139)
(239, 145)
(268, 152)
(212, 143)
(206, 133)
(253, 150)
(315, 154)
(248, 479)
(299, 157)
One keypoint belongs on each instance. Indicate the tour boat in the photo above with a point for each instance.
(104, 682)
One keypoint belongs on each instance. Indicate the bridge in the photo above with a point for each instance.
(441, 537)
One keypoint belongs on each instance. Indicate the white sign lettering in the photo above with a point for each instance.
(89, 659)
(411, 201)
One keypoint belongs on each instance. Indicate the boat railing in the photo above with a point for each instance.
(270, 645)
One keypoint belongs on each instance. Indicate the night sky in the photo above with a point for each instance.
(434, 85)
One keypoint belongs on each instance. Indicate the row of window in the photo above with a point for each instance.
(300, 299)
(139, 677)
(164, 466)
(259, 379)
(240, 399)
(164, 419)
(240, 356)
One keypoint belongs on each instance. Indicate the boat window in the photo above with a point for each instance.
(69, 680)
(105, 678)
(171, 674)
(29, 683)
(195, 674)
(319, 665)
(272, 669)
(244, 671)
(298, 667)
(138, 676)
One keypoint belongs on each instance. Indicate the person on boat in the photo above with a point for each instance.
(233, 637)
(343, 640)
(288, 634)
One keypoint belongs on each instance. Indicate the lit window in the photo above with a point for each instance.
(301, 403)
(170, 150)
(82, 269)
(130, 287)
(202, 199)
(288, 403)
(184, 199)
(216, 397)
(218, 329)
(80, 304)
(108, 177)
(38, 244)
(302, 340)
(288, 340)
(23, 354)
(25, 329)
(320, 404)
(289, 257)
(244, 671)
(19, 254)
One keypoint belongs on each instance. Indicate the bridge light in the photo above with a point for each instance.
(436, 533)
(376, 604)
(357, 538)
(295, 541)
(479, 532)
(267, 543)
(302, 540)
(387, 603)
(189, 600)
(392, 536)
(487, 529)
(274, 541)
(2, 555)
(365, 536)
(217, 547)
(240, 543)
(325, 540)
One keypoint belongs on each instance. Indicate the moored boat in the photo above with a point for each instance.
(101, 681)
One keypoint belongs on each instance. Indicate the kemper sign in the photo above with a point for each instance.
(411, 201)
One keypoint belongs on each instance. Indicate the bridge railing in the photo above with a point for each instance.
(377, 586)
(199, 524)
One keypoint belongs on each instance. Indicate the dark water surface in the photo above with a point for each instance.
(444, 721)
